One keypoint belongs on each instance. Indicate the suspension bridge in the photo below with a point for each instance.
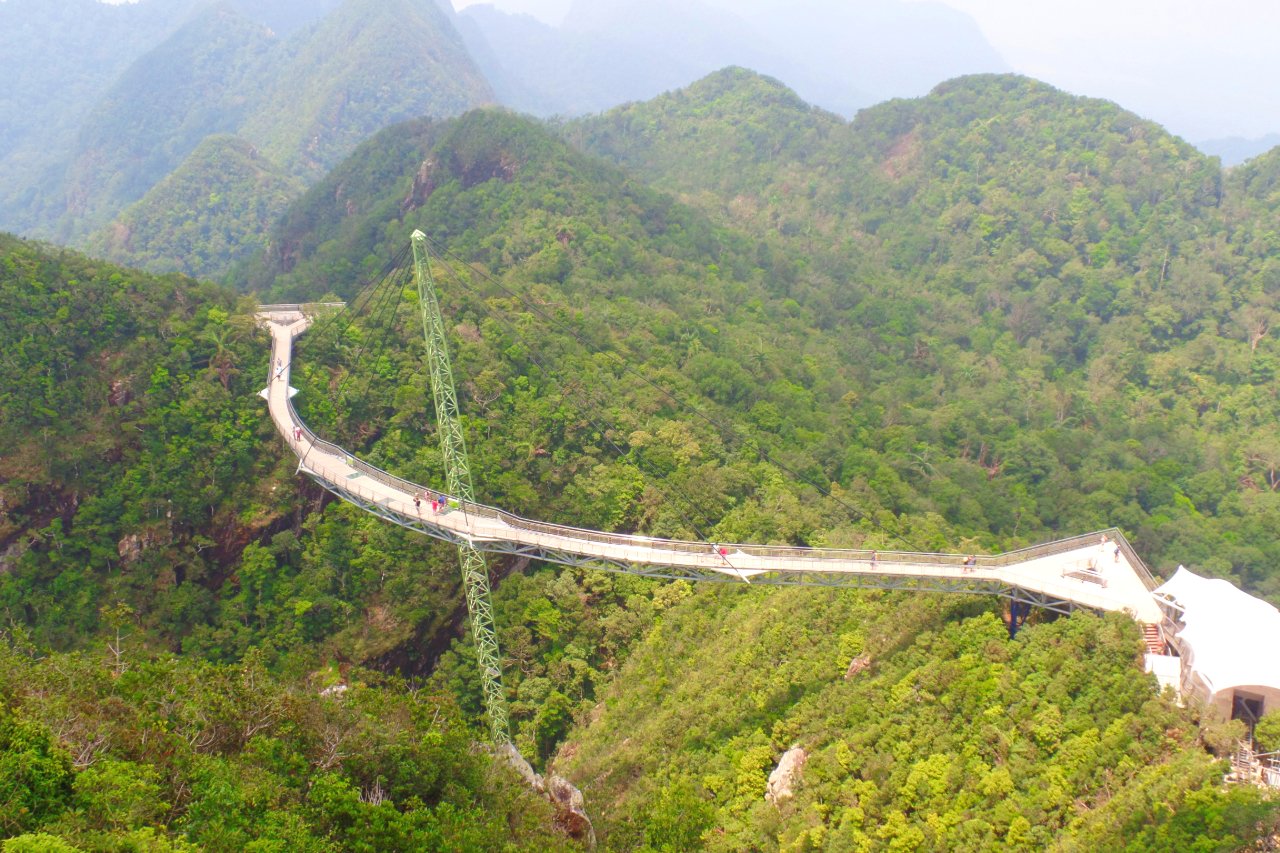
(1098, 571)
(1228, 668)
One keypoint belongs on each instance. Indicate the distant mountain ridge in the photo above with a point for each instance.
(1234, 150)
(216, 208)
(839, 56)
(992, 311)
(344, 70)
(982, 317)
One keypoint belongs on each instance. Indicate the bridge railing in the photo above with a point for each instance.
(286, 307)
(775, 552)
(408, 487)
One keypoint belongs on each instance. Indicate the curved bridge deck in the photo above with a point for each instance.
(1082, 572)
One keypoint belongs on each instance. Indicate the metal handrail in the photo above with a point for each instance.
(686, 546)
(286, 307)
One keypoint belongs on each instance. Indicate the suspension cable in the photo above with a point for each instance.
(585, 406)
(722, 428)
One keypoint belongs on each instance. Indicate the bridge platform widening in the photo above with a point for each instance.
(1097, 571)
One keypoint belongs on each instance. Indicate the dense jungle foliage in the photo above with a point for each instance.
(135, 494)
(899, 333)
(1047, 289)
(103, 751)
(214, 209)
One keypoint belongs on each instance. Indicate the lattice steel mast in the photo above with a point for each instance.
(475, 574)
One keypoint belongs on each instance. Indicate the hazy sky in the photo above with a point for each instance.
(1202, 68)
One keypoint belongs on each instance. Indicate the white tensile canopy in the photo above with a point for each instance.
(1234, 638)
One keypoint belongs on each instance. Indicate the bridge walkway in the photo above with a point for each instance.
(1097, 571)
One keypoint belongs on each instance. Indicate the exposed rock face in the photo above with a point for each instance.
(120, 391)
(782, 780)
(571, 814)
(130, 548)
(9, 557)
(134, 545)
(516, 760)
(571, 811)
(857, 665)
(424, 184)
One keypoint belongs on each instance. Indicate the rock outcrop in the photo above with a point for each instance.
(782, 780)
(571, 813)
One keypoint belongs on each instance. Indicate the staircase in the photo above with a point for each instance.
(1151, 635)
(1244, 766)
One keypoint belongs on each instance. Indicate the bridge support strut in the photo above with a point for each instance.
(475, 573)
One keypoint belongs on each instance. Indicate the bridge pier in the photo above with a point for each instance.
(1018, 613)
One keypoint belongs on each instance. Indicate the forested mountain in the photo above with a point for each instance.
(908, 382)
(304, 99)
(214, 209)
(193, 85)
(1099, 301)
(368, 64)
(46, 102)
(972, 321)
(137, 470)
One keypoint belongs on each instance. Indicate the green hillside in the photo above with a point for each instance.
(945, 428)
(942, 735)
(368, 64)
(1043, 285)
(191, 86)
(44, 101)
(303, 95)
(975, 321)
(141, 491)
(213, 210)
(107, 752)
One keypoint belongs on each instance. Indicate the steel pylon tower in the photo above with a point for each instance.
(475, 574)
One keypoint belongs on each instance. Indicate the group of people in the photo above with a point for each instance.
(439, 503)
(1105, 546)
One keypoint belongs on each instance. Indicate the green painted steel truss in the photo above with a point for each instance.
(453, 446)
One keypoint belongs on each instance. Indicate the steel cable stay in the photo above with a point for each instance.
(381, 315)
(345, 316)
(684, 506)
(355, 306)
(381, 294)
(728, 431)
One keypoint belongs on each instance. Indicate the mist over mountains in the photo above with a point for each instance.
(988, 317)
(302, 83)
(979, 315)
(840, 56)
